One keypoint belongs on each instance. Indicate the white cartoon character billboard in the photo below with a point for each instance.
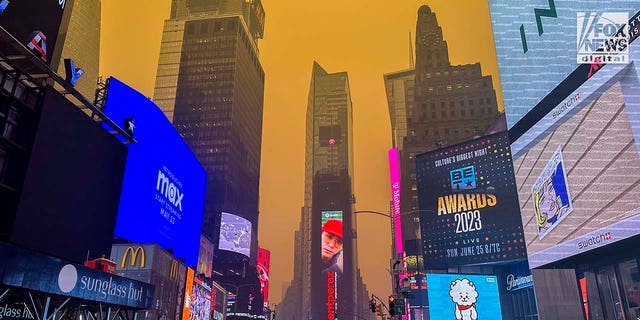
(463, 297)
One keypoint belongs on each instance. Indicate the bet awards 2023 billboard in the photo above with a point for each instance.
(469, 205)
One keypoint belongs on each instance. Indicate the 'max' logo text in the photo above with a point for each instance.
(169, 190)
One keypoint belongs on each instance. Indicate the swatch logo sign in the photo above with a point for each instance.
(595, 240)
(169, 187)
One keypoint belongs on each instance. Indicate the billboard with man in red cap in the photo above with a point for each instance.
(332, 241)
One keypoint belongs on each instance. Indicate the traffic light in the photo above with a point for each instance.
(392, 306)
(372, 305)
(379, 309)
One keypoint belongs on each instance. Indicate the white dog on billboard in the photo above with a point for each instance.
(464, 295)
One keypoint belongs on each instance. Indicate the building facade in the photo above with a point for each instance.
(436, 104)
(81, 43)
(211, 84)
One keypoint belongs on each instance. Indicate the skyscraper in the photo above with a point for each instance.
(432, 106)
(81, 42)
(326, 281)
(210, 83)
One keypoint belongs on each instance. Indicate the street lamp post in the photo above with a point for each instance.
(389, 215)
(235, 304)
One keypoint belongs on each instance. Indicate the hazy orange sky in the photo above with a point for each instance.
(364, 38)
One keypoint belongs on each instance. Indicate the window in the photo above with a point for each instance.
(433, 115)
(463, 112)
(433, 105)
(462, 103)
(470, 102)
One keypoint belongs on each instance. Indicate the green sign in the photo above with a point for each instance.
(399, 304)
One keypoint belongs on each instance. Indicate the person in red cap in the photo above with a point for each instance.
(332, 246)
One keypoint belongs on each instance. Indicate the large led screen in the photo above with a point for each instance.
(468, 204)
(577, 161)
(538, 43)
(163, 191)
(72, 186)
(35, 23)
(331, 252)
(579, 180)
(200, 300)
(205, 257)
(235, 234)
(264, 260)
(458, 296)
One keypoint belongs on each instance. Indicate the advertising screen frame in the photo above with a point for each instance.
(163, 180)
(469, 209)
(454, 296)
(584, 89)
(234, 230)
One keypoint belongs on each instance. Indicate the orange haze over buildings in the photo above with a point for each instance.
(364, 38)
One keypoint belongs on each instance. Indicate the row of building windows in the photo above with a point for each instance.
(459, 86)
(456, 114)
(461, 103)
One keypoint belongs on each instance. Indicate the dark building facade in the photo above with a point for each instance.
(435, 105)
(320, 290)
(211, 84)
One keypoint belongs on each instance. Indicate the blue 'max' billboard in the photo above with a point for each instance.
(162, 198)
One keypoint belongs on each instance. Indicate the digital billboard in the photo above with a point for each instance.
(468, 203)
(538, 44)
(235, 234)
(35, 23)
(164, 184)
(394, 174)
(264, 260)
(72, 186)
(188, 295)
(458, 296)
(331, 257)
(30, 270)
(205, 257)
(580, 178)
(200, 301)
(331, 252)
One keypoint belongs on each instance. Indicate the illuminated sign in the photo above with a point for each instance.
(331, 256)
(332, 295)
(394, 173)
(30, 270)
(188, 295)
(173, 272)
(470, 211)
(205, 257)
(235, 234)
(578, 167)
(134, 254)
(162, 199)
(35, 23)
(458, 296)
(533, 37)
(264, 259)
